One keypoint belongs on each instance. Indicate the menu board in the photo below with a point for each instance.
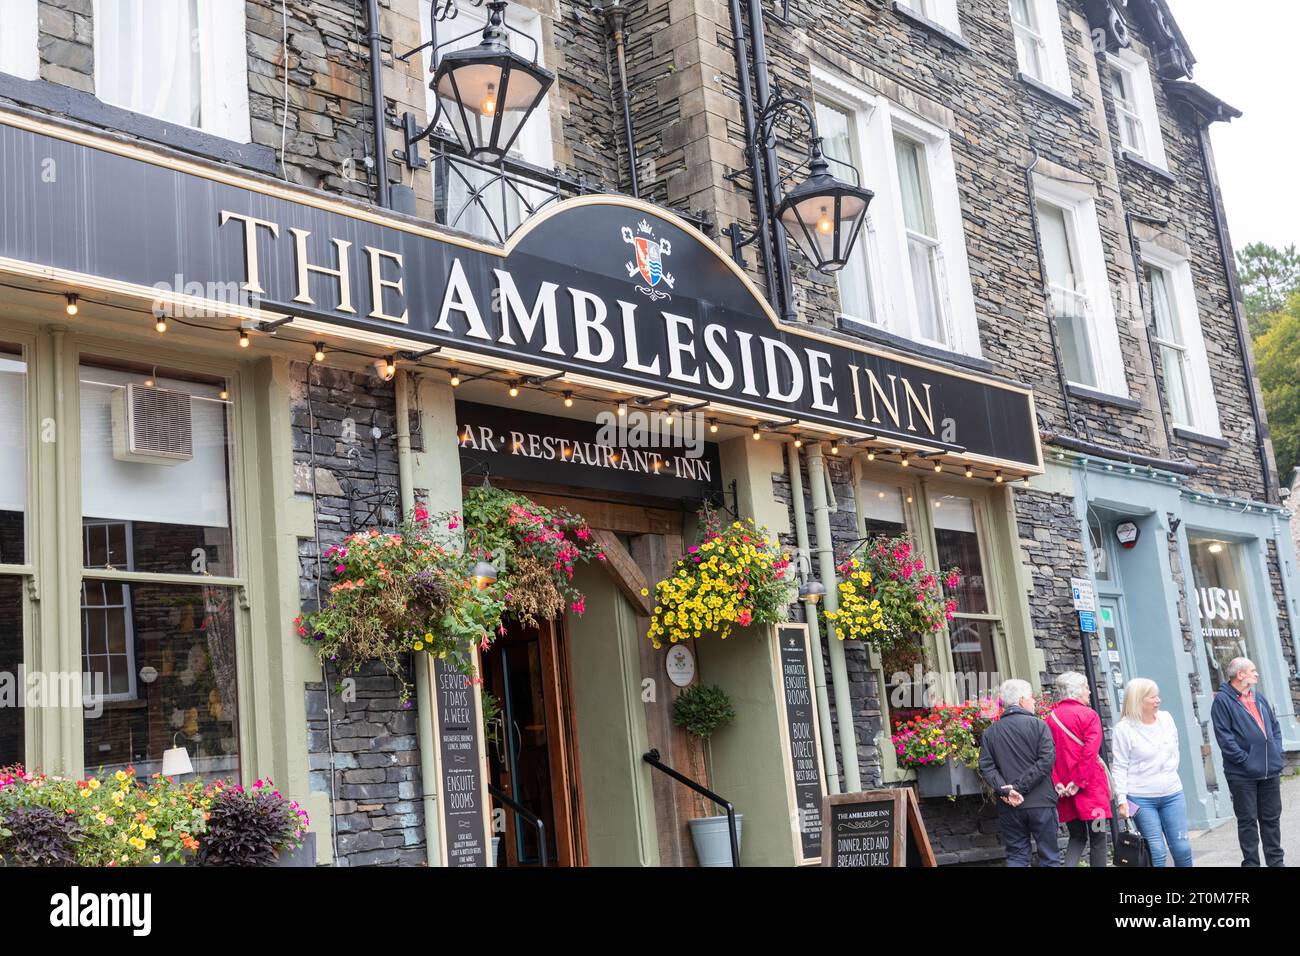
(874, 828)
(461, 778)
(802, 738)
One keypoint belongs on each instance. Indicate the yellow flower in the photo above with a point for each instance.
(157, 859)
(120, 775)
(419, 645)
(148, 832)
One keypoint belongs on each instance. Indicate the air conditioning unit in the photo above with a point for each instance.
(152, 425)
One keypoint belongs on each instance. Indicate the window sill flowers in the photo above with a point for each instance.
(734, 577)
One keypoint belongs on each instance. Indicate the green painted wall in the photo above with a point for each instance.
(746, 764)
(616, 793)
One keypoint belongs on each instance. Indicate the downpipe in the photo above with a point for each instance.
(848, 735)
(374, 37)
(829, 758)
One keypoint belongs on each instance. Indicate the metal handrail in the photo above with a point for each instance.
(652, 758)
(528, 816)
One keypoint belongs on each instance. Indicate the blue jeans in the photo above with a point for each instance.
(1162, 821)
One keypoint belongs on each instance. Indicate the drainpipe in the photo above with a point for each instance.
(770, 165)
(1243, 339)
(423, 691)
(819, 670)
(377, 103)
(615, 18)
(753, 150)
(835, 647)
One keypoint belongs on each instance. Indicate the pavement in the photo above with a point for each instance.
(1219, 847)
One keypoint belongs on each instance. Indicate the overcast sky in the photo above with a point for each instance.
(1246, 54)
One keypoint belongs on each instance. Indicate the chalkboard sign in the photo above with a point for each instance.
(801, 739)
(462, 778)
(874, 828)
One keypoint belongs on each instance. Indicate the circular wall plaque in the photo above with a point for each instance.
(680, 665)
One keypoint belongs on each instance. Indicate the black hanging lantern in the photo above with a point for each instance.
(824, 214)
(488, 91)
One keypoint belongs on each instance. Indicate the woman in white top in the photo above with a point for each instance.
(1145, 769)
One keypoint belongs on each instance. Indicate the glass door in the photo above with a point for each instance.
(1116, 668)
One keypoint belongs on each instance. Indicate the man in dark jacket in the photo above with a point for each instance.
(1250, 739)
(1016, 758)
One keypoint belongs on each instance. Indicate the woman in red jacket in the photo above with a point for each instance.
(1079, 774)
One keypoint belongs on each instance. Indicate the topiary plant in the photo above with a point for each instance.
(702, 709)
(39, 836)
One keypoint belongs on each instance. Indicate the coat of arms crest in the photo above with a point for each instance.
(649, 260)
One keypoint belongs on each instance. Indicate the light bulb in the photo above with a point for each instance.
(713, 426)
(455, 378)
(514, 389)
(622, 409)
(568, 399)
(488, 105)
(243, 339)
(871, 455)
(997, 476)
(223, 394)
(835, 447)
(824, 224)
(798, 442)
(757, 434)
(148, 383)
(319, 356)
(905, 461)
(970, 472)
(390, 367)
(161, 324)
(938, 466)
(72, 308)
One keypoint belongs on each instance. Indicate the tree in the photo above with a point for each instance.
(1268, 276)
(1277, 358)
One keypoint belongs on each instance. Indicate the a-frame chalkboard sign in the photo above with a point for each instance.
(874, 828)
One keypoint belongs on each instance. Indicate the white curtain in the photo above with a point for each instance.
(13, 430)
(192, 492)
(147, 58)
(18, 44)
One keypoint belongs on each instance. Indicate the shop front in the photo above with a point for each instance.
(209, 379)
(1185, 581)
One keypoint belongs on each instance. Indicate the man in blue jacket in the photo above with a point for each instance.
(1250, 739)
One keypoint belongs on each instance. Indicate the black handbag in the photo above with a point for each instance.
(1131, 847)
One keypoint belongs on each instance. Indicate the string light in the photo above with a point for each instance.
(938, 466)
(798, 441)
(997, 476)
(243, 339)
(970, 472)
(161, 324)
(224, 394)
(514, 388)
(150, 381)
(713, 426)
(1026, 480)
(568, 399)
(390, 367)
(835, 446)
(871, 454)
(622, 409)
(72, 308)
(320, 352)
(757, 434)
(905, 461)
(455, 378)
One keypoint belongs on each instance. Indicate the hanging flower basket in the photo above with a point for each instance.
(733, 577)
(887, 598)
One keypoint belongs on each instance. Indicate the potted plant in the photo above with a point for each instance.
(256, 826)
(700, 710)
(733, 577)
(942, 746)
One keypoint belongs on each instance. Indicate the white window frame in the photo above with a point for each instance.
(1093, 284)
(1142, 110)
(877, 122)
(125, 608)
(942, 12)
(1186, 314)
(1044, 32)
(19, 44)
(223, 76)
